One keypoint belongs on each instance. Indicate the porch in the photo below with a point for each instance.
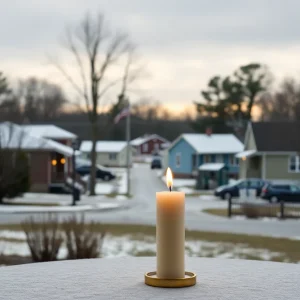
(252, 164)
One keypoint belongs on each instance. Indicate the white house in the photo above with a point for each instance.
(109, 153)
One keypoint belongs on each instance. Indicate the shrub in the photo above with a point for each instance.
(82, 240)
(14, 174)
(253, 211)
(44, 238)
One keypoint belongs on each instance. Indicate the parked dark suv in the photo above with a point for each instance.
(101, 173)
(278, 192)
(156, 163)
(233, 190)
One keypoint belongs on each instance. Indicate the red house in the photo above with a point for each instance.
(50, 161)
(149, 144)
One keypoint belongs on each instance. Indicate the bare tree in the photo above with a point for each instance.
(284, 104)
(42, 100)
(96, 50)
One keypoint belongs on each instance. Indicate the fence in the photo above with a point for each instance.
(258, 209)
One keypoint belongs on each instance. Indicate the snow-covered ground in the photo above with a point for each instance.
(117, 186)
(142, 158)
(61, 208)
(182, 182)
(127, 245)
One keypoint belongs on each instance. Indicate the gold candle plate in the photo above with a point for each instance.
(152, 280)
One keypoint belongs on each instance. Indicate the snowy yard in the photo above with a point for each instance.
(186, 185)
(13, 243)
(117, 186)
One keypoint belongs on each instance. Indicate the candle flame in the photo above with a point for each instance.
(169, 178)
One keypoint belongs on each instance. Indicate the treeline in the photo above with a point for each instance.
(226, 105)
(35, 101)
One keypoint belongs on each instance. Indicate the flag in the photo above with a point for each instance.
(122, 114)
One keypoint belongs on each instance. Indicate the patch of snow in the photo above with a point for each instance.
(104, 188)
(182, 182)
(103, 146)
(207, 197)
(9, 234)
(159, 173)
(121, 184)
(11, 248)
(186, 190)
(121, 197)
(106, 206)
(46, 209)
(126, 245)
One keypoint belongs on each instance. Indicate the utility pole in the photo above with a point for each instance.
(128, 128)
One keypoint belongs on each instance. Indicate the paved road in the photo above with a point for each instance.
(145, 184)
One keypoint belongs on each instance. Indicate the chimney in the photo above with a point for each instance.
(208, 131)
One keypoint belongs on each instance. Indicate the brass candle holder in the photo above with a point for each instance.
(152, 280)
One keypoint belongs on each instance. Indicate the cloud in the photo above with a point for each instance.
(183, 43)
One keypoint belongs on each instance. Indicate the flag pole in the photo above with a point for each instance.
(128, 149)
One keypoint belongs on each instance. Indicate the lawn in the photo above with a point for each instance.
(259, 211)
(139, 240)
(16, 203)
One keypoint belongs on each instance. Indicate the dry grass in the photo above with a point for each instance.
(252, 211)
(82, 240)
(289, 248)
(44, 242)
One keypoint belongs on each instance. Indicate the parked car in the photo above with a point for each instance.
(277, 192)
(233, 190)
(156, 163)
(101, 172)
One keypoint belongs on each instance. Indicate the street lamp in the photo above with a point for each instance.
(75, 146)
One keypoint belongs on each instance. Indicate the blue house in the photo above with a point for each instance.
(207, 152)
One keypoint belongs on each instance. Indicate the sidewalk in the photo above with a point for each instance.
(62, 203)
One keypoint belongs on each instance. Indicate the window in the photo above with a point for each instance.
(207, 158)
(232, 160)
(294, 188)
(294, 163)
(194, 161)
(145, 147)
(219, 159)
(112, 156)
(178, 160)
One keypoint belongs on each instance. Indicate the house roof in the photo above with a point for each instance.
(214, 143)
(103, 146)
(246, 153)
(142, 139)
(276, 136)
(13, 136)
(49, 131)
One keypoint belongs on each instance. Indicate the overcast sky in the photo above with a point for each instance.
(182, 42)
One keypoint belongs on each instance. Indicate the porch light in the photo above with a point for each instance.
(54, 162)
(244, 158)
(63, 161)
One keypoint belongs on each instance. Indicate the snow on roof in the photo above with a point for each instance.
(13, 136)
(103, 146)
(214, 143)
(49, 131)
(211, 167)
(142, 139)
(246, 153)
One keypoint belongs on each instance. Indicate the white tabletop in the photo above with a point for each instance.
(123, 278)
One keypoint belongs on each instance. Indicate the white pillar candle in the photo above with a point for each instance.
(170, 232)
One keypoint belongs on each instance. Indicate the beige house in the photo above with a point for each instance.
(271, 151)
(109, 153)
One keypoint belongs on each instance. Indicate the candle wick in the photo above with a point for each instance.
(170, 188)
